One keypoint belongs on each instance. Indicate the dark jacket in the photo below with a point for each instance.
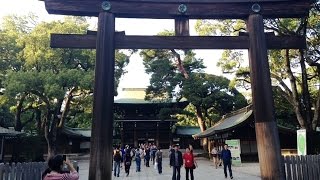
(226, 155)
(147, 156)
(172, 158)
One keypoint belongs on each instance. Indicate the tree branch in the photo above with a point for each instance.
(295, 95)
(67, 107)
(279, 79)
(179, 64)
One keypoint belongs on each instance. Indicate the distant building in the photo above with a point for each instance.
(6, 135)
(240, 125)
(137, 121)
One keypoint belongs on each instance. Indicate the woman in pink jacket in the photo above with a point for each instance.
(54, 172)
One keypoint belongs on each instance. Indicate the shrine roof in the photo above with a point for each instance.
(228, 121)
(142, 101)
(233, 120)
(9, 132)
(187, 130)
(77, 132)
(137, 96)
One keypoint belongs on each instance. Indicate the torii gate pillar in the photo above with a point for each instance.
(101, 138)
(265, 124)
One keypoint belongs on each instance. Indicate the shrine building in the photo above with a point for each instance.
(138, 120)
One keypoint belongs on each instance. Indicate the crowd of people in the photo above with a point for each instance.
(146, 153)
(177, 159)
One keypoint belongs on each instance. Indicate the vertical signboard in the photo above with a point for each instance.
(235, 148)
(302, 142)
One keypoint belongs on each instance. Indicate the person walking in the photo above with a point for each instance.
(226, 158)
(127, 162)
(176, 162)
(159, 160)
(138, 160)
(153, 153)
(147, 156)
(214, 153)
(171, 149)
(117, 157)
(189, 163)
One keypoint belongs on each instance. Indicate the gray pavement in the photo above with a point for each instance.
(205, 171)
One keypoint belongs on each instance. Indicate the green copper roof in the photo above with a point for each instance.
(77, 132)
(9, 132)
(227, 122)
(137, 96)
(233, 120)
(187, 130)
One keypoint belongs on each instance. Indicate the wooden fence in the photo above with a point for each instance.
(22, 171)
(302, 167)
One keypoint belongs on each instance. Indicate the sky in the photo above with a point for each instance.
(135, 76)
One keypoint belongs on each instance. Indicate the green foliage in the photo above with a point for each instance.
(232, 62)
(284, 112)
(43, 78)
(186, 80)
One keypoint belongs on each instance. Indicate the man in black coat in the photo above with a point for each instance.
(176, 162)
(226, 157)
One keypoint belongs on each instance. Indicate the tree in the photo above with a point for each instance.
(50, 84)
(299, 67)
(178, 74)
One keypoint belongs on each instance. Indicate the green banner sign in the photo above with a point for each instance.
(235, 148)
(302, 142)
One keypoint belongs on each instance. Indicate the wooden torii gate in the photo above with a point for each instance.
(106, 40)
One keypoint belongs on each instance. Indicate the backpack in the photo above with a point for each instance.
(117, 156)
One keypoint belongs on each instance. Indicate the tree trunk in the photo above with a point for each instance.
(18, 123)
(66, 108)
(316, 115)
(51, 133)
(52, 146)
(295, 95)
(40, 125)
(305, 92)
(202, 126)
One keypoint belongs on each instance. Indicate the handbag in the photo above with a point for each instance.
(155, 165)
(193, 166)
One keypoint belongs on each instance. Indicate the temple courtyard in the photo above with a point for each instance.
(205, 171)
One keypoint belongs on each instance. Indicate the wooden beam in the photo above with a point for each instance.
(195, 10)
(181, 25)
(265, 124)
(174, 42)
(101, 151)
(205, 1)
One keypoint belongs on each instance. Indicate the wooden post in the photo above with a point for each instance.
(102, 125)
(181, 26)
(265, 124)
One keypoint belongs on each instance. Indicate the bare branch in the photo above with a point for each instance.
(179, 64)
